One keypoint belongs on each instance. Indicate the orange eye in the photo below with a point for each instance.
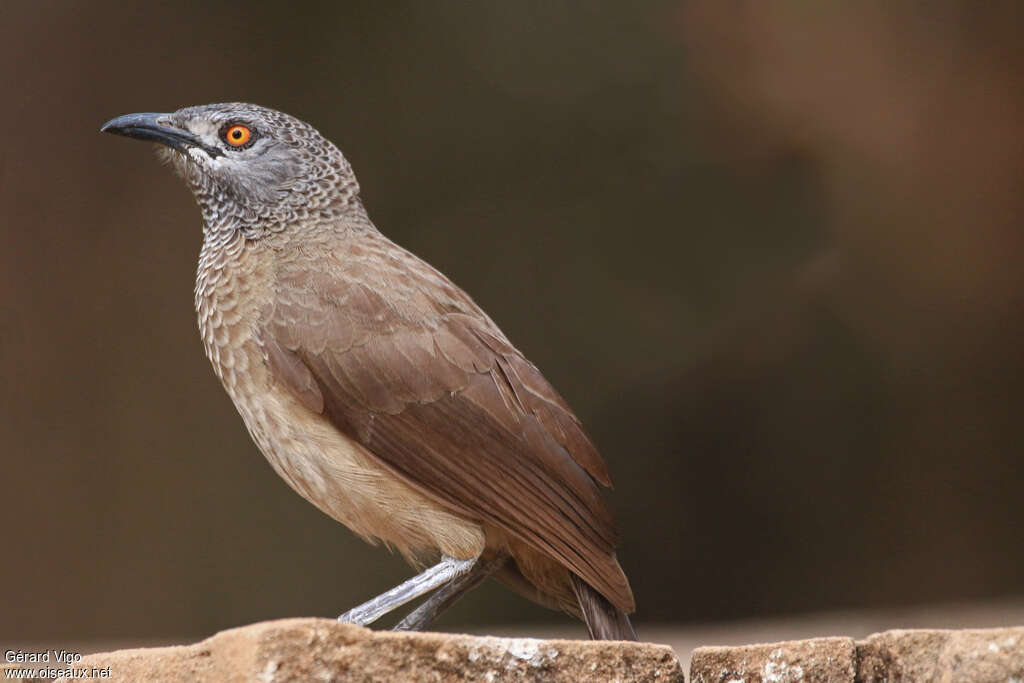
(237, 135)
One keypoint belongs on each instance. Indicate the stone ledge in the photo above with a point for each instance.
(968, 656)
(324, 650)
(818, 659)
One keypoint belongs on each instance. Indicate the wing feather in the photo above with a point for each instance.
(429, 385)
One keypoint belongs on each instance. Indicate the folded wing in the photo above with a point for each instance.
(424, 380)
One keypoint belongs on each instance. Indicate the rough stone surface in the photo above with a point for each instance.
(975, 656)
(324, 650)
(819, 659)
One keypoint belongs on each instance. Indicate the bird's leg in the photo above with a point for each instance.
(449, 594)
(444, 571)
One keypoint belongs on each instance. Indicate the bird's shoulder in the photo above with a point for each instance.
(370, 321)
(376, 286)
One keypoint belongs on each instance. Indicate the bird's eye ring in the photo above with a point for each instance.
(237, 135)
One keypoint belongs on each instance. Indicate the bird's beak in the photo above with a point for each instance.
(148, 127)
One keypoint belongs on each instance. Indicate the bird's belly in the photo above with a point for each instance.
(338, 475)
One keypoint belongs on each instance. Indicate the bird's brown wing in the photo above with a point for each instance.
(402, 361)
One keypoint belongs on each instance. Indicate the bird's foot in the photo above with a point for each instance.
(441, 573)
(446, 596)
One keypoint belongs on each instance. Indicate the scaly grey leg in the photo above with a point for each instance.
(449, 594)
(444, 571)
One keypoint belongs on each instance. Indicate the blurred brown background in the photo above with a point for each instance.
(771, 252)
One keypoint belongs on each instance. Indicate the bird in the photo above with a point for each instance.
(377, 388)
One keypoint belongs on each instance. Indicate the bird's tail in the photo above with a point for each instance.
(604, 620)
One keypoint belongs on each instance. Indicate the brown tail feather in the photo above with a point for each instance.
(604, 620)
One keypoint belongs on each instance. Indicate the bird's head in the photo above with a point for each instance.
(250, 168)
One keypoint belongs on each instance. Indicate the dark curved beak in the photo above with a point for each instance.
(148, 127)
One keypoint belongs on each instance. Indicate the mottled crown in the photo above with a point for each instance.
(285, 171)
